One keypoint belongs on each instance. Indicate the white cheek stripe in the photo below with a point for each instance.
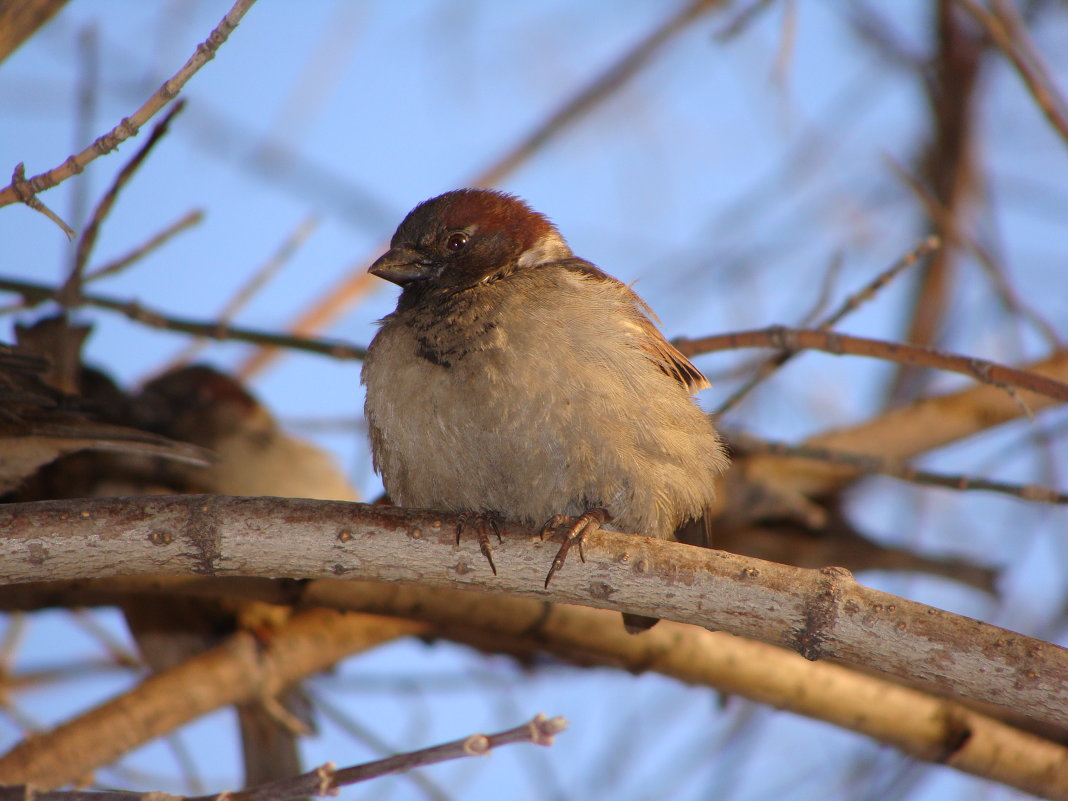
(550, 247)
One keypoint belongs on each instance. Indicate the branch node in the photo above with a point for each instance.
(325, 775)
(477, 745)
(544, 729)
(821, 612)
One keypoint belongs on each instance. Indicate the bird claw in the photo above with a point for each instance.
(483, 521)
(586, 523)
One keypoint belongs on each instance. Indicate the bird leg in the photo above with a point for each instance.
(586, 523)
(484, 523)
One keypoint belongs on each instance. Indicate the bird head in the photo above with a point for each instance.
(467, 237)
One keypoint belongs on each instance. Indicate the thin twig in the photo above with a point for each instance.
(794, 339)
(118, 652)
(594, 93)
(259, 279)
(369, 738)
(68, 294)
(853, 302)
(928, 246)
(189, 219)
(25, 191)
(827, 284)
(741, 21)
(1021, 52)
(22, 191)
(85, 112)
(948, 166)
(35, 294)
(326, 779)
(944, 220)
(895, 468)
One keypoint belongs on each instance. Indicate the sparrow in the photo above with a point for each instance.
(253, 456)
(517, 382)
(39, 423)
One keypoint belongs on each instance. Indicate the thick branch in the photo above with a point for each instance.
(818, 613)
(921, 426)
(239, 670)
(19, 21)
(925, 727)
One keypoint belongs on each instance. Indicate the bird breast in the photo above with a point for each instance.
(531, 396)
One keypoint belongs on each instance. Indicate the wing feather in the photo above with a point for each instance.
(661, 352)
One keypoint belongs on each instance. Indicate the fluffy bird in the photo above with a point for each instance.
(517, 381)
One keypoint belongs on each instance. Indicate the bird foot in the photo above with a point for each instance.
(584, 524)
(484, 522)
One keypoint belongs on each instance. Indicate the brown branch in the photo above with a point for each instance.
(590, 96)
(241, 669)
(877, 465)
(24, 190)
(326, 779)
(19, 21)
(1021, 52)
(949, 169)
(851, 304)
(259, 278)
(794, 339)
(925, 727)
(24, 195)
(819, 613)
(34, 294)
(72, 287)
(922, 426)
(188, 220)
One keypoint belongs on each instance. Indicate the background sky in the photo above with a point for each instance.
(724, 179)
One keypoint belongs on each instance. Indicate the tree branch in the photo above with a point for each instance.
(25, 189)
(818, 613)
(239, 670)
(923, 425)
(928, 728)
(794, 339)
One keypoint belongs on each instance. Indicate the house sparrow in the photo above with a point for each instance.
(254, 456)
(515, 380)
(40, 423)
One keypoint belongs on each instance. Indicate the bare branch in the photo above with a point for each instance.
(867, 464)
(541, 730)
(70, 290)
(240, 669)
(794, 339)
(853, 302)
(187, 220)
(259, 278)
(34, 294)
(819, 613)
(24, 195)
(902, 433)
(1016, 45)
(925, 727)
(19, 21)
(25, 191)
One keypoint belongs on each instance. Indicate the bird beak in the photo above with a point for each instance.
(402, 266)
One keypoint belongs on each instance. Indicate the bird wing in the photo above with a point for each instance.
(661, 352)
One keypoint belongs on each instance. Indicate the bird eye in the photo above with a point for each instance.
(456, 241)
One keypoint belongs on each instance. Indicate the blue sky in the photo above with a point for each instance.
(724, 179)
